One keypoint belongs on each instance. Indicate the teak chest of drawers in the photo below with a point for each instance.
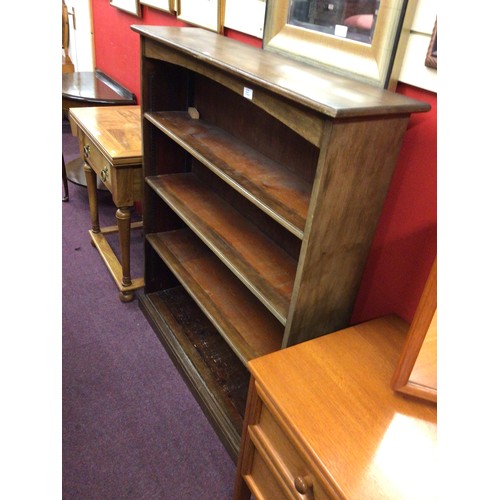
(323, 422)
(110, 144)
(264, 181)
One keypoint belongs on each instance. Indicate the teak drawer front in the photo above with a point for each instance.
(262, 481)
(268, 436)
(100, 165)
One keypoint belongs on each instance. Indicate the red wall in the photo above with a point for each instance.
(117, 50)
(405, 243)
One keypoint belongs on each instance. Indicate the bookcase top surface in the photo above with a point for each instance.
(316, 88)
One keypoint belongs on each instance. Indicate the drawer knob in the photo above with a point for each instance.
(104, 174)
(303, 484)
(86, 150)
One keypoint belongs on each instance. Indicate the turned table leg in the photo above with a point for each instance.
(123, 216)
(65, 181)
(91, 179)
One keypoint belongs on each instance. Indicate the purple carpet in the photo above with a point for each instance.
(131, 427)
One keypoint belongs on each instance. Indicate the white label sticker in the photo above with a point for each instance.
(248, 93)
(340, 30)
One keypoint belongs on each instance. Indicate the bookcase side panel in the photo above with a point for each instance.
(354, 172)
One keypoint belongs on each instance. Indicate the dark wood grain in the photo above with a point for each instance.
(264, 208)
(316, 89)
(300, 119)
(353, 178)
(262, 265)
(247, 326)
(271, 186)
(214, 374)
(93, 88)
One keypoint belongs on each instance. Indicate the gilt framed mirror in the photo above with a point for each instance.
(416, 372)
(355, 38)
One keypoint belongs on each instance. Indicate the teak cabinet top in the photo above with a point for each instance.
(333, 395)
(315, 88)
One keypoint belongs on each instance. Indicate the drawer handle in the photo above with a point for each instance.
(86, 150)
(303, 484)
(104, 174)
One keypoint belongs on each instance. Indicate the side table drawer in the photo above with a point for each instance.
(96, 160)
(294, 472)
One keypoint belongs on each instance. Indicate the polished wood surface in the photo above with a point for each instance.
(110, 141)
(352, 179)
(257, 260)
(283, 194)
(318, 89)
(263, 173)
(93, 88)
(323, 419)
(115, 131)
(250, 330)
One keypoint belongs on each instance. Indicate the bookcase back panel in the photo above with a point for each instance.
(255, 127)
(166, 86)
(307, 123)
(249, 211)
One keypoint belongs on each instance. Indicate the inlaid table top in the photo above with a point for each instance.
(115, 130)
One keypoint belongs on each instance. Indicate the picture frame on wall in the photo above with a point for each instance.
(163, 5)
(203, 13)
(251, 22)
(340, 36)
(431, 59)
(130, 6)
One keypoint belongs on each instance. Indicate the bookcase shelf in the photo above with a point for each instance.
(240, 318)
(259, 208)
(263, 266)
(276, 190)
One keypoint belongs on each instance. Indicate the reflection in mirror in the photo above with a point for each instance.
(352, 19)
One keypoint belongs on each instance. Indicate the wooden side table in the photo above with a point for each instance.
(89, 88)
(111, 145)
(323, 422)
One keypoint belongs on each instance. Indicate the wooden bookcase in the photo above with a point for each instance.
(264, 181)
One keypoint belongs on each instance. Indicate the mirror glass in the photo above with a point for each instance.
(351, 19)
